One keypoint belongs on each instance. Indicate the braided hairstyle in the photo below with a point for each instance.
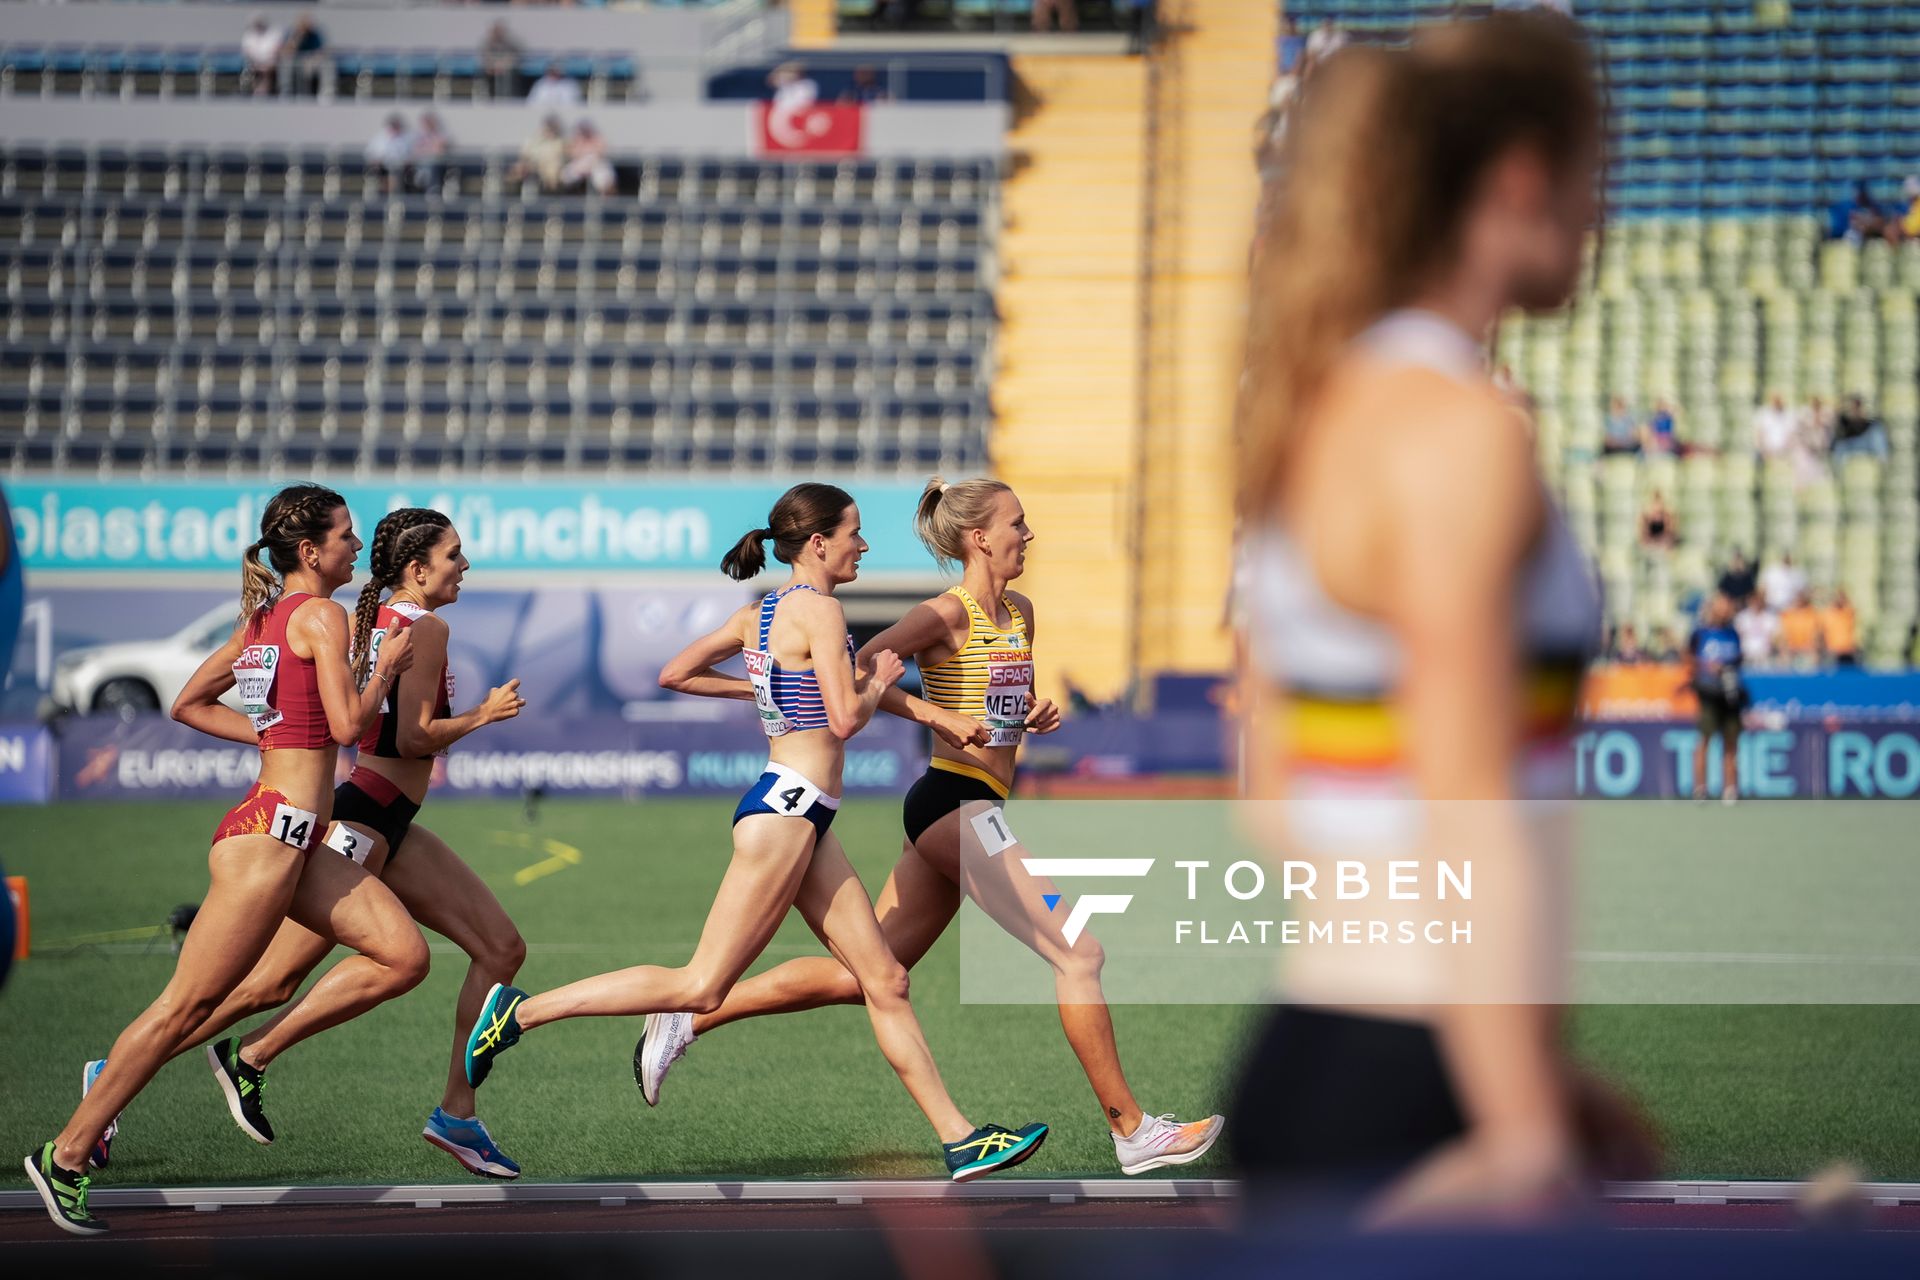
(401, 538)
(298, 513)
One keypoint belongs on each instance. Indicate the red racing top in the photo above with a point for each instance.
(279, 691)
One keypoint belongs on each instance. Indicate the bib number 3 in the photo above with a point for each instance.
(349, 844)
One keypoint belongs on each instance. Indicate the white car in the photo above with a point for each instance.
(141, 675)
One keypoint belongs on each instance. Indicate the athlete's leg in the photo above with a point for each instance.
(339, 899)
(836, 905)
(915, 907)
(292, 955)
(1003, 888)
(444, 894)
(1730, 757)
(770, 855)
(254, 878)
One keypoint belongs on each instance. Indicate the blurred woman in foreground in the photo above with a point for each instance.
(1416, 620)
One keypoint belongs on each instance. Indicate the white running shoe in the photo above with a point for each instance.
(663, 1042)
(1161, 1141)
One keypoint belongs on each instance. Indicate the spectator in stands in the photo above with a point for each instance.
(793, 89)
(304, 57)
(1325, 41)
(587, 165)
(1293, 45)
(500, 59)
(1857, 431)
(1061, 13)
(1800, 631)
(1660, 436)
(427, 151)
(1758, 630)
(262, 46)
(542, 156)
(1774, 428)
(1621, 432)
(1839, 630)
(554, 89)
(1664, 647)
(1659, 527)
(1866, 220)
(1782, 582)
(1910, 220)
(1626, 645)
(1738, 581)
(866, 87)
(388, 150)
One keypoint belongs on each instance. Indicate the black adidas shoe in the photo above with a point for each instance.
(243, 1085)
(64, 1192)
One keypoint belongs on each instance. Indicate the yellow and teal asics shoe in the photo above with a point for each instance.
(496, 1031)
(991, 1148)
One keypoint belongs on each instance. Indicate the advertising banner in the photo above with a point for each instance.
(106, 758)
(83, 526)
(26, 764)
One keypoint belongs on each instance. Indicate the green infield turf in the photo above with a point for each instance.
(1739, 1092)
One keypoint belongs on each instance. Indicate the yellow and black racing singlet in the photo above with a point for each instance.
(990, 677)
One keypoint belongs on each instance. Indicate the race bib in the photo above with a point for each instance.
(292, 826)
(348, 843)
(1009, 698)
(791, 795)
(253, 673)
(760, 675)
(993, 832)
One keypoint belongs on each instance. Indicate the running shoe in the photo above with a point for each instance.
(64, 1192)
(991, 1148)
(494, 1032)
(103, 1149)
(663, 1042)
(244, 1087)
(1161, 1141)
(469, 1142)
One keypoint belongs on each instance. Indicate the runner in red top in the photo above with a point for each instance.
(416, 556)
(288, 657)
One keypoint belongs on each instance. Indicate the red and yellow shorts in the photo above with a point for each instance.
(265, 812)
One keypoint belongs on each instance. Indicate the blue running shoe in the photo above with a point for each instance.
(496, 1031)
(469, 1142)
(991, 1148)
(103, 1149)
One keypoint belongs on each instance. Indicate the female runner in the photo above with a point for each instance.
(784, 854)
(974, 644)
(1417, 617)
(416, 555)
(289, 657)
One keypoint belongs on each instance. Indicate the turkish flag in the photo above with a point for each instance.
(809, 128)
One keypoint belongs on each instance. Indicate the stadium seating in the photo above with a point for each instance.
(205, 312)
(362, 75)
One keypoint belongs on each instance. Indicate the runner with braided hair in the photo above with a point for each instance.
(416, 556)
(288, 657)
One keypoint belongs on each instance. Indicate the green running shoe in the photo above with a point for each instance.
(245, 1090)
(991, 1148)
(496, 1031)
(64, 1192)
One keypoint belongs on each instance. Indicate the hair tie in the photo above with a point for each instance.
(944, 486)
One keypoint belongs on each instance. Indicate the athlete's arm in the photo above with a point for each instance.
(322, 624)
(851, 694)
(416, 732)
(926, 628)
(199, 706)
(1451, 601)
(692, 669)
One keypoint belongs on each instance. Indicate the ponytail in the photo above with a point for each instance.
(748, 557)
(801, 512)
(401, 538)
(257, 583)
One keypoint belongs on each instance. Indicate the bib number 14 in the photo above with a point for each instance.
(291, 826)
